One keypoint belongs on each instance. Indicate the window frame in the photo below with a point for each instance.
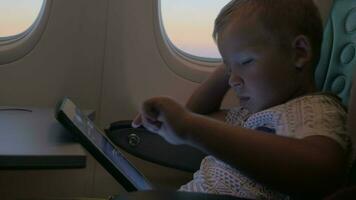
(183, 64)
(13, 48)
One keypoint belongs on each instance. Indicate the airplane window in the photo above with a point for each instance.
(189, 25)
(17, 16)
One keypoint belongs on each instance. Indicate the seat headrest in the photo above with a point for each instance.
(338, 55)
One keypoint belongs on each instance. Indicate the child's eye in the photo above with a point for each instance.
(247, 61)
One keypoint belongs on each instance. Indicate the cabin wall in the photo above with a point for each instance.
(324, 7)
(67, 61)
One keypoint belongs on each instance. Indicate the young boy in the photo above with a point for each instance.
(284, 139)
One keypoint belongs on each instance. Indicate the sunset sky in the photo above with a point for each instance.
(17, 15)
(188, 23)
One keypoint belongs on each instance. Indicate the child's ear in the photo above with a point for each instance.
(302, 51)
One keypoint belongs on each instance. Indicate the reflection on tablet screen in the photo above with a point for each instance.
(88, 129)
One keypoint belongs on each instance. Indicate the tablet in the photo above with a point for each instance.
(102, 149)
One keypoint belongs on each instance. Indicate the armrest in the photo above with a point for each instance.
(151, 147)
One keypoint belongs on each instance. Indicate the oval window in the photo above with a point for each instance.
(22, 23)
(189, 24)
(17, 16)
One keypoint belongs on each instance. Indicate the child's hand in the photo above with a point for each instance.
(164, 116)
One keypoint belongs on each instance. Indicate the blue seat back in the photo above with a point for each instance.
(338, 54)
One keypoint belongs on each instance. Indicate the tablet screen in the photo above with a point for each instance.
(101, 147)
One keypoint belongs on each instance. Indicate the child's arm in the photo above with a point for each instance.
(206, 100)
(314, 165)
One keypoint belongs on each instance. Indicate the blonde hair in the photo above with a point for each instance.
(284, 18)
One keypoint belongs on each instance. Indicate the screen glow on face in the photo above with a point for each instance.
(189, 25)
(16, 16)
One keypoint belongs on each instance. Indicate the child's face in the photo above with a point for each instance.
(262, 73)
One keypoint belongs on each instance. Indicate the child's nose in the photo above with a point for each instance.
(235, 81)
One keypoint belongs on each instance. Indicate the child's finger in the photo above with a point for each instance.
(153, 126)
(137, 121)
(150, 110)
